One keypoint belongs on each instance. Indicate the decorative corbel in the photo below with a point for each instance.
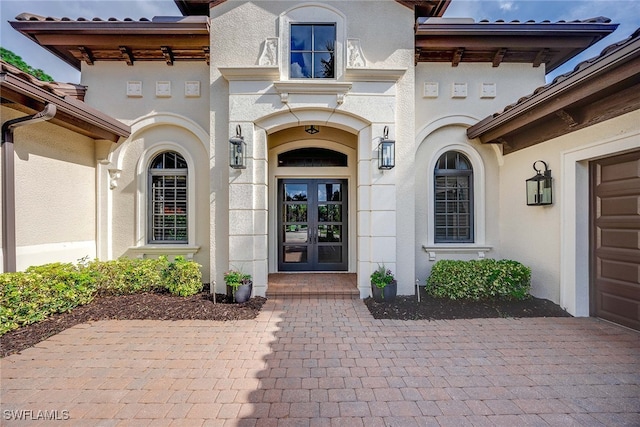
(114, 176)
(269, 54)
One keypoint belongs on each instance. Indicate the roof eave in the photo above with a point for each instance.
(611, 79)
(72, 113)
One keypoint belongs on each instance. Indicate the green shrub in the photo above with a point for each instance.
(479, 279)
(39, 292)
(35, 294)
(125, 276)
(182, 277)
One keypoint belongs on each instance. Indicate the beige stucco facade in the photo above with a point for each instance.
(194, 108)
(55, 175)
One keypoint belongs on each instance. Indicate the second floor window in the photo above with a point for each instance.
(312, 51)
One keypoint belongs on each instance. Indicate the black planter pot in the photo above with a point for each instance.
(386, 294)
(243, 293)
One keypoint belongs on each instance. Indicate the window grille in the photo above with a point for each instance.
(312, 51)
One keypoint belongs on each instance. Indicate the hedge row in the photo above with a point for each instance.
(33, 295)
(479, 279)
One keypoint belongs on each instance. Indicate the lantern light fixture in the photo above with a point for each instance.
(238, 150)
(386, 151)
(539, 187)
(311, 129)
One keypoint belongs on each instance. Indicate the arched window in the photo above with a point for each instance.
(453, 190)
(167, 205)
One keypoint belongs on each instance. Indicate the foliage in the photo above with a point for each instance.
(235, 278)
(17, 62)
(39, 292)
(479, 279)
(35, 294)
(182, 277)
(382, 277)
(127, 276)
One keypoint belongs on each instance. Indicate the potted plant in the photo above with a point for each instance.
(240, 285)
(384, 286)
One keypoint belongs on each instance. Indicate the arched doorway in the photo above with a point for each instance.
(312, 203)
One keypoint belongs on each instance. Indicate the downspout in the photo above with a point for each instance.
(9, 184)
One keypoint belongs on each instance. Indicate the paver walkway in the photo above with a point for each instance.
(328, 363)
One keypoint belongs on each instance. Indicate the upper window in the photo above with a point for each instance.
(168, 199)
(453, 182)
(312, 51)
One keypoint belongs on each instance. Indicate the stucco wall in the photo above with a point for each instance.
(442, 118)
(176, 120)
(548, 240)
(128, 200)
(107, 89)
(55, 193)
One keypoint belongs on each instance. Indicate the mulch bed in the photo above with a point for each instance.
(152, 306)
(429, 308)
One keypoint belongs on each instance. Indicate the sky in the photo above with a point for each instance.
(624, 12)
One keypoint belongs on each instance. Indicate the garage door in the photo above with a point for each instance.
(615, 239)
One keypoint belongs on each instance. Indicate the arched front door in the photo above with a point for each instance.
(312, 225)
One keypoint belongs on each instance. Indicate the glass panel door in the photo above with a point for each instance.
(312, 229)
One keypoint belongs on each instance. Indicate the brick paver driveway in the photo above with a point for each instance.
(322, 363)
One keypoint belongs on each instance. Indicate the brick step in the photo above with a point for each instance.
(312, 286)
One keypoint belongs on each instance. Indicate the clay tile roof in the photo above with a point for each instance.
(458, 40)
(598, 89)
(166, 39)
(59, 89)
(578, 68)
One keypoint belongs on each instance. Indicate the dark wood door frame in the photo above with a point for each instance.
(310, 238)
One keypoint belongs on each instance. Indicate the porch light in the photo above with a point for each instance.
(312, 129)
(539, 191)
(238, 150)
(386, 151)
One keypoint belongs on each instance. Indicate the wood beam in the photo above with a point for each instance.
(86, 55)
(497, 58)
(127, 55)
(541, 57)
(168, 54)
(567, 117)
(207, 55)
(457, 57)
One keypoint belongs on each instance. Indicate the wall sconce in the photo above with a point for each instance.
(312, 130)
(386, 151)
(238, 150)
(539, 191)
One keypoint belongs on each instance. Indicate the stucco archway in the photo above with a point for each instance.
(250, 240)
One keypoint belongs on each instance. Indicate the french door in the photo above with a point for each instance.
(312, 225)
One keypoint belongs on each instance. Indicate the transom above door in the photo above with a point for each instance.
(312, 225)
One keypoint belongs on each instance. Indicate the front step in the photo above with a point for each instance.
(313, 286)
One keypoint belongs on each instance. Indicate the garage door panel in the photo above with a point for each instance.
(618, 254)
(625, 239)
(624, 271)
(629, 205)
(618, 306)
(615, 239)
(619, 188)
(622, 170)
